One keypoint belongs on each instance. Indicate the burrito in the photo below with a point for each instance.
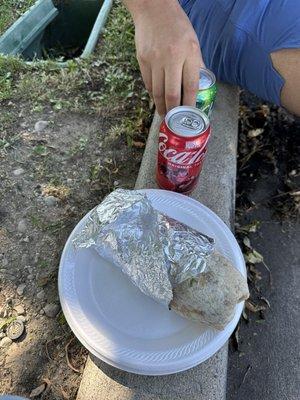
(211, 296)
(167, 260)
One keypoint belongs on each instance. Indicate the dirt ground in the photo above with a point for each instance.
(57, 172)
(44, 192)
(67, 138)
(264, 352)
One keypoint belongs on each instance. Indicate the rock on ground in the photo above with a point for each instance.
(41, 294)
(5, 342)
(18, 172)
(19, 309)
(40, 126)
(22, 226)
(51, 310)
(50, 200)
(21, 288)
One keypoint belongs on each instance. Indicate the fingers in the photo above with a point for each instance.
(147, 77)
(173, 80)
(173, 84)
(190, 81)
(158, 90)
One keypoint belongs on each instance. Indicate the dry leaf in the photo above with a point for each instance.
(64, 394)
(236, 334)
(266, 301)
(235, 339)
(47, 381)
(254, 133)
(252, 227)
(245, 316)
(37, 391)
(255, 272)
(297, 193)
(254, 307)
(254, 257)
(246, 242)
(265, 110)
(139, 145)
(61, 192)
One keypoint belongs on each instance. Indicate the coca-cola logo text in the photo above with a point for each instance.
(179, 157)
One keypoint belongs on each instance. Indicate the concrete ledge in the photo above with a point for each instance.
(216, 189)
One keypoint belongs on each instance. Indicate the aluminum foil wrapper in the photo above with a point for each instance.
(155, 251)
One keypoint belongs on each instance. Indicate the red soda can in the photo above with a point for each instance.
(183, 138)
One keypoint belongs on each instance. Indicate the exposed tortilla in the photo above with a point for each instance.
(211, 297)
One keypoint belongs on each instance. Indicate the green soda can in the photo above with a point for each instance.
(207, 91)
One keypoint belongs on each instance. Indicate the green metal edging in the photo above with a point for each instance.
(13, 44)
(97, 28)
(91, 42)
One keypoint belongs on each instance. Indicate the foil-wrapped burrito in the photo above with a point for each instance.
(163, 257)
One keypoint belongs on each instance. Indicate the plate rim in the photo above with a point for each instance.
(190, 360)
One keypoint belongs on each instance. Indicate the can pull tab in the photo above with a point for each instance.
(190, 123)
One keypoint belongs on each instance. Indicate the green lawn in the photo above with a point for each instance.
(10, 11)
(108, 81)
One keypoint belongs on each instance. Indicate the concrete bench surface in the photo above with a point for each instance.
(216, 190)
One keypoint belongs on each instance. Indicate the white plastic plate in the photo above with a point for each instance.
(125, 328)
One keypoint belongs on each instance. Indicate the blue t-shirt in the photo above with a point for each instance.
(237, 37)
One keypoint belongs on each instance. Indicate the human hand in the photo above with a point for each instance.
(168, 52)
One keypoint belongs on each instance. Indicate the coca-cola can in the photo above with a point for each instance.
(182, 146)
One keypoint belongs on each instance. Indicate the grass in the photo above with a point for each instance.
(79, 147)
(40, 150)
(5, 119)
(48, 227)
(108, 82)
(11, 10)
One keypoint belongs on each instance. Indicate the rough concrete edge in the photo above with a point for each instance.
(101, 381)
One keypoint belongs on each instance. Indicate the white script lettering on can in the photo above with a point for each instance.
(183, 157)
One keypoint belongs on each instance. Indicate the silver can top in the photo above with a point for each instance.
(187, 121)
(207, 79)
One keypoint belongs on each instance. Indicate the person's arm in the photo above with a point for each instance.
(168, 51)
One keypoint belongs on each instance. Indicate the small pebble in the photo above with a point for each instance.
(42, 312)
(30, 277)
(18, 172)
(41, 295)
(37, 391)
(4, 262)
(50, 200)
(23, 125)
(22, 226)
(2, 335)
(24, 259)
(21, 288)
(5, 342)
(51, 310)
(22, 318)
(29, 268)
(19, 309)
(40, 126)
